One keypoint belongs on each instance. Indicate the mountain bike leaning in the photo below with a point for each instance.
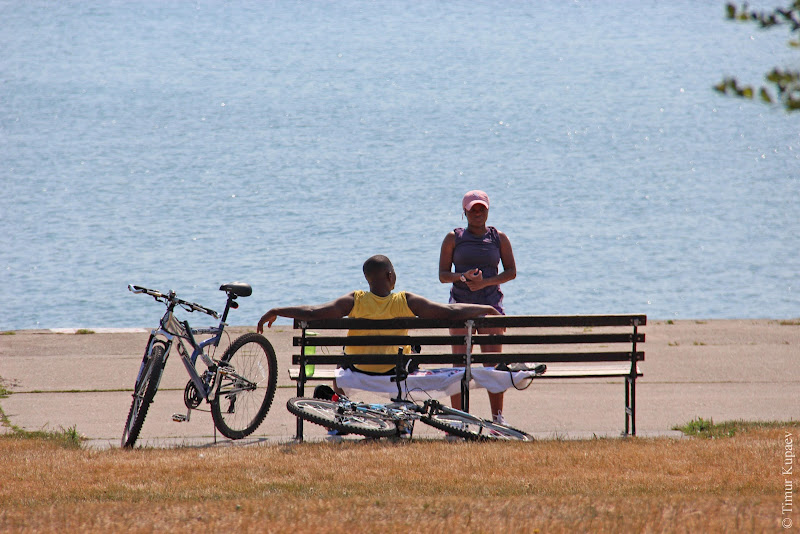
(239, 387)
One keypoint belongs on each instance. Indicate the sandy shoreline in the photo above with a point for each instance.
(715, 369)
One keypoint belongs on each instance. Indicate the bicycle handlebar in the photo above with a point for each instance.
(170, 297)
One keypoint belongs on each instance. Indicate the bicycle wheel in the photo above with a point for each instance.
(246, 386)
(473, 428)
(337, 416)
(144, 391)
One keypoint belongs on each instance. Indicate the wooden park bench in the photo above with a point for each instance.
(572, 346)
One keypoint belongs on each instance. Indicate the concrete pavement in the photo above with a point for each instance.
(720, 370)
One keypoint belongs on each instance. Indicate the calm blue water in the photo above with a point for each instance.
(183, 145)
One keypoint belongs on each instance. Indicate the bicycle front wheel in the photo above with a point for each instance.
(331, 414)
(246, 386)
(144, 391)
(473, 428)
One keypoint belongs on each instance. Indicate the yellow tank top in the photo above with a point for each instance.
(370, 306)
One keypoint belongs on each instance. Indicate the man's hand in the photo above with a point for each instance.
(268, 318)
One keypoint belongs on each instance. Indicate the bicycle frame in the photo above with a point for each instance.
(406, 410)
(170, 330)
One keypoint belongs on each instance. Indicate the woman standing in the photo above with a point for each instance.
(476, 252)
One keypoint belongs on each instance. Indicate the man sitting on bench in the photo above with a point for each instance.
(378, 303)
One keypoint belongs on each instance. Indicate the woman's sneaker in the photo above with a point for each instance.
(405, 429)
(499, 419)
(335, 435)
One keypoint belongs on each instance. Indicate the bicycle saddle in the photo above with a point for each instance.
(240, 289)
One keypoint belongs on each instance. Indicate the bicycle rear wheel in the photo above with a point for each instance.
(246, 386)
(473, 428)
(144, 391)
(340, 417)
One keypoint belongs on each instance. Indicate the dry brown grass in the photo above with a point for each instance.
(608, 485)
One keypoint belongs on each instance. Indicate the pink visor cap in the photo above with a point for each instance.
(475, 197)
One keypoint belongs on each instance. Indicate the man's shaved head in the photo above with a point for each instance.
(377, 265)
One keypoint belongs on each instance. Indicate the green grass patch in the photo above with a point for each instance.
(82, 331)
(7, 333)
(707, 429)
(69, 438)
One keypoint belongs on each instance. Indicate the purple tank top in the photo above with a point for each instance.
(482, 252)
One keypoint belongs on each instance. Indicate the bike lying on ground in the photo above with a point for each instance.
(239, 386)
(396, 419)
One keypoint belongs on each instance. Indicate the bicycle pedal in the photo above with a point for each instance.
(179, 417)
(225, 370)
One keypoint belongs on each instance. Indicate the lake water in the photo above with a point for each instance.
(182, 145)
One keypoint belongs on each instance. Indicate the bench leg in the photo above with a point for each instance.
(627, 406)
(300, 392)
(464, 396)
(633, 406)
(630, 406)
(299, 434)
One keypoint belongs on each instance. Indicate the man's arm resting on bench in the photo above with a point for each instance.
(335, 309)
(428, 309)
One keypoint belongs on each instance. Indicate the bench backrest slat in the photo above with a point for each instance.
(339, 341)
(553, 339)
(492, 357)
(493, 321)
(544, 321)
(556, 357)
(334, 359)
